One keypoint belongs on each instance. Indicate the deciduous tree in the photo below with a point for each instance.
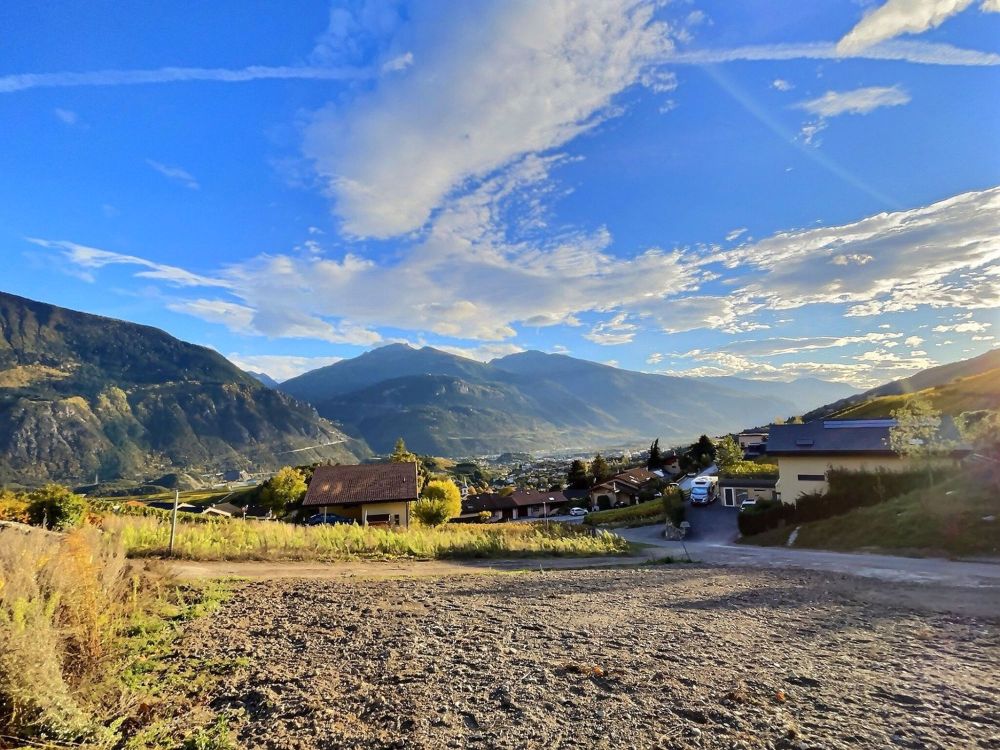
(599, 469)
(917, 433)
(287, 486)
(440, 501)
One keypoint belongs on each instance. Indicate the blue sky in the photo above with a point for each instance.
(769, 189)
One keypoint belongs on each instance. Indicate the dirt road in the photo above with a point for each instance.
(661, 656)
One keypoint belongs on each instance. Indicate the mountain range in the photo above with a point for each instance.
(449, 405)
(82, 395)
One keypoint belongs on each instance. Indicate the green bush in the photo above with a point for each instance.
(765, 515)
(674, 506)
(56, 507)
(431, 512)
(846, 491)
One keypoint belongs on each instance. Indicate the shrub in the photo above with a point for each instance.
(13, 507)
(765, 515)
(846, 491)
(62, 605)
(56, 507)
(674, 506)
(440, 501)
(749, 469)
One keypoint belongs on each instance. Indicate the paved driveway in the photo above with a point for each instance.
(984, 575)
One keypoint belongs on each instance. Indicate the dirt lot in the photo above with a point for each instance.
(672, 657)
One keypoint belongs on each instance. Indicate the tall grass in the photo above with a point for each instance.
(258, 540)
(63, 601)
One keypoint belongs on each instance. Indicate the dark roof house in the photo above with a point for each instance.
(840, 437)
(361, 484)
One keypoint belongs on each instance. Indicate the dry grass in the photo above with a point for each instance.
(253, 540)
(63, 600)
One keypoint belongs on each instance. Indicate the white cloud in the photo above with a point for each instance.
(655, 358)
(613, 332)
(24, 81)
(897, 17)
(176, 174)
(495, 82)
(983, 338)
(913, 341)
(919, 52)
(777, 346)
(943, 255)
(66, 116)
(611, 362)
(855, 102)
(810, 130)
(863, 370)
(970, 327)
(483, 352)
(735, 234)
(781, 85)
(92, 258)
(279, 366)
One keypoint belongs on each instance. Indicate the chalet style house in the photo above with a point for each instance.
(623, 489)
(371, 494)
(806, 452)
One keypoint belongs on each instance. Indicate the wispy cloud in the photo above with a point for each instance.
(855, 102)
(176, 174)
(394, 154)
(919, 52)
(66, 116)
(897, 17)
(24, 81)
(92, 258)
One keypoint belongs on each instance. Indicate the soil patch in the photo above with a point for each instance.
(678, 657)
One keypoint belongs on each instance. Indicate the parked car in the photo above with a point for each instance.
(329, 518)
(578, 511)
(621, 504)
(746, 504)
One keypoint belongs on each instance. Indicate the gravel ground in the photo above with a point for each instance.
(671, 657)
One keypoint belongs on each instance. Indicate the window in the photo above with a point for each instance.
(812, 477)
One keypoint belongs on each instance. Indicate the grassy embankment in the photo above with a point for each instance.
(942, 519)
(257, 540)
(87, 643)
(651, 511)
(961, 395)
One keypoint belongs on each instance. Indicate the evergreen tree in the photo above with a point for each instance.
(655, 457)
(577, 477)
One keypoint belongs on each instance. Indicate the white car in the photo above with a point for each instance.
(747, 504)
(578, 511)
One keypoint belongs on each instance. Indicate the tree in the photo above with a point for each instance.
(400, 455)
(917, 433)
(981, 429)
(284, 488)
(577, 477)
(655, 457)
(599, 469)
(56, 507)
(439, 502)
(705, 450)
(728, 453)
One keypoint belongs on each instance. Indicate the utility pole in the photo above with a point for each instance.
(173, 521)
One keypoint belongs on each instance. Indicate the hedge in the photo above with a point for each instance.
(846, 491)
